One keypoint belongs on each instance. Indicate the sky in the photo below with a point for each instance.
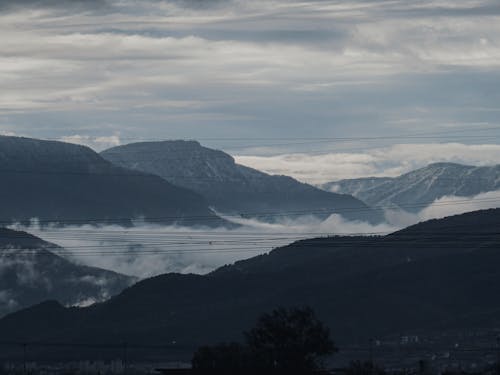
(287, 86)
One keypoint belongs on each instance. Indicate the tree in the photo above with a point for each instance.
(290, 340)
(283, 341)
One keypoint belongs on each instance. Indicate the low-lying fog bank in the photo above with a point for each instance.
(146, 250)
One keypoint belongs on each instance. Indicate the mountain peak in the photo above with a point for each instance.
(189, 153)
(57, 182)
(232, 188)
(35, 154)
(416, 189)
(444, 165)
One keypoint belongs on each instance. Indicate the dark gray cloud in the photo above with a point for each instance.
(109, 5)
(63, 4)
(473, 10)
(231, 68)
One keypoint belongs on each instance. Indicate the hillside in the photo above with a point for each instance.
(235, 189)
(71, 184)
(415, 190)
(32, 272)
(441, 274)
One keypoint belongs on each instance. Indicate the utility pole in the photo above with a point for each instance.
(125, 357)
(371, 350)
(372, 365)
(24, 358)
(498, 355)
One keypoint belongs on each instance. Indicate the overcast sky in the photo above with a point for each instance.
(278, 77)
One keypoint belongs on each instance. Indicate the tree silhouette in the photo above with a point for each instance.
(283, 341)
(290, 340)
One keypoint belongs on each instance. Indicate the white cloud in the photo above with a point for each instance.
(445, 206)
(24, 267)
(86, 302)
(97, 143)
(8, 133)
(7, 301)
(387, 161)
(451, 205)
(295, 65)
(147, 250)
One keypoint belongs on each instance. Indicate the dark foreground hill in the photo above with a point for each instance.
(66, 183)
(32, 272)
(232, 188)
(417, 189)
(439, 275)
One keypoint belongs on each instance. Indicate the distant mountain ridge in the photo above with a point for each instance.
(67, 183)
(232, 188)
(32, 272)
(414, 190)
(438, 275)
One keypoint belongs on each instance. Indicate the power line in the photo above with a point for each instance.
(256, 214)
(366, 242)
(167, 242)
(142, 345)
(447, 132)
(141, 232)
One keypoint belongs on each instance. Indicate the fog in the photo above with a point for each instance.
(146, 250)
(445, 206)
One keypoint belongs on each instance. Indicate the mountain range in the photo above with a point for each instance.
(415, 190)
(31, 271)
(71, 184)
(236, 189)
(437, 275)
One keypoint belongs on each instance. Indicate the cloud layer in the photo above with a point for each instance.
(146, 250)
(446, 206)
(229, 68)
(386, 161)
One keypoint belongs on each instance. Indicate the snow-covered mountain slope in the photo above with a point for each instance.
(417, 189)
(232, 188)
(32, 272)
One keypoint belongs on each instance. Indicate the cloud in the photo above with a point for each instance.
(87, 302)
(7, 301)
(445, 206)
(148, 250)
(69, 5)
(451, 205)
(387, 161)
(8, 134)
(97, 143)
(188, 69)
(24, 267)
